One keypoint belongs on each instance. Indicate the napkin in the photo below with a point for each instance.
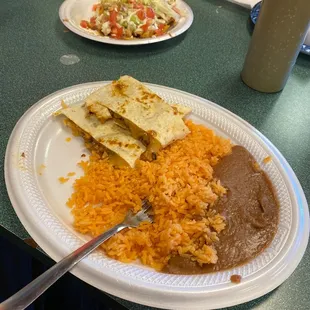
(246, 3)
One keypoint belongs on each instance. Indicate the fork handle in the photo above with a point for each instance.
(34, 289)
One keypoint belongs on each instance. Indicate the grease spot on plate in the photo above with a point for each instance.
(41, 169)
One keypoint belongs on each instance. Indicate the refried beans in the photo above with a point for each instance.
(251, 212)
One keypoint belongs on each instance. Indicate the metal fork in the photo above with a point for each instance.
(34, 289)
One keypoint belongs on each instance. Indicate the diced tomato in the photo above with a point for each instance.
(141, 14)
(117, 32)
(150, 13)
(84, 24)
(120, 31)
(161, 30)
(113, 17)
(161, 26)
(147, 24)
(92, 23)
(95, 6)
(158, 33)
(145, 27)
(93, 20)
(138, 6)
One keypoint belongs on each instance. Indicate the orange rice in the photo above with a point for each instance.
(180, 186)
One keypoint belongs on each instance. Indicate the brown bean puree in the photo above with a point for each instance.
(251, 213)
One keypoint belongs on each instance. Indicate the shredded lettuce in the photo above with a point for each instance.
(128, 18)
(135, 19)
(161, 6)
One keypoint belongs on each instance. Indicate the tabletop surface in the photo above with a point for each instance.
(206, 61)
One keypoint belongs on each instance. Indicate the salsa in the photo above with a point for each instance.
(128, 19)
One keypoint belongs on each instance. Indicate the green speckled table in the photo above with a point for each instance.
(205, 61)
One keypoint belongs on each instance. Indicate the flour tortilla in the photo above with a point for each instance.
(131, 100)
(109, 134)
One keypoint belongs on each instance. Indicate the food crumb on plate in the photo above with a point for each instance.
(63, 104)
(267, 159)
(235, 278)
(68, 139)
(71, 174)
(21, 161)
(256, 166)
(31, 242)
(41, 168)
(63, 180)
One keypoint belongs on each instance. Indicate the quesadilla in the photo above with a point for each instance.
(101, 112)
(104, 114)
(180, 110)
(147, 116)
(118, 142)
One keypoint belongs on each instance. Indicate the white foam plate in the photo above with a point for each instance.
(71, 12)
(39, 201)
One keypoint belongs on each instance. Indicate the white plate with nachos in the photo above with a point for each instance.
(126, 22)
(42, 154)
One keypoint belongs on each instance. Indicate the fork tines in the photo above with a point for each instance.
(146, 205)
(143, 217)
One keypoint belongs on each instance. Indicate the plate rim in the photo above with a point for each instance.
(129, 291)
(102, 39)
